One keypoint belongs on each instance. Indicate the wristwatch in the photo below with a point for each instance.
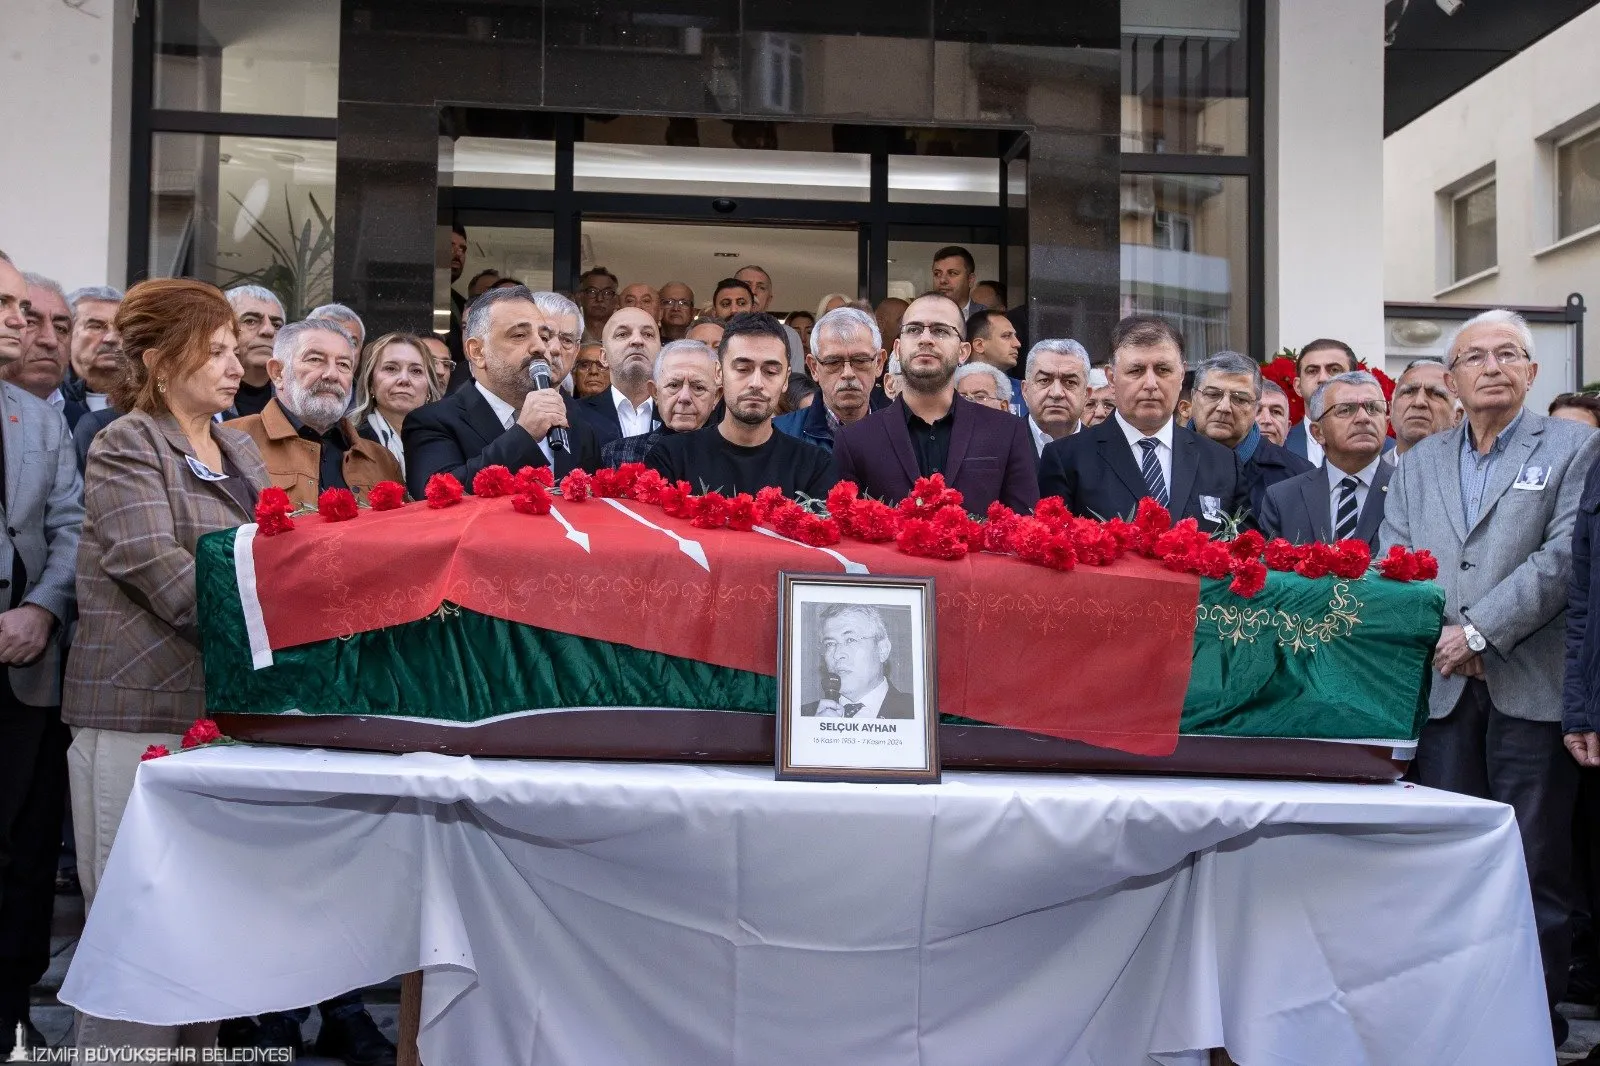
(1475, 639)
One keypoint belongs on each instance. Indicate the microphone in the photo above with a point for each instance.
(557, 437)
(830, 687)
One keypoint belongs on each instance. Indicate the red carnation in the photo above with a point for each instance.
(386, 496)
(1052, 511)
(493, 481)
(768, 500)
(1181, 539)
(1249, 578)
(575, 487)
(674, 499)
(1036, 542)
(928, 494)
(1247, 545)
(842, 497)
(1125, 533)
(535, 500)
(1352, 557)
(1281, 555)
(204, 731)
(154, 751)
(533, 475)
(817, 531)
(1426, 565)
(709, 511)
(647, 487)
(1398, 565)
(272, 512)
(873, 521)
(742, 512)
(617, 483)
(1317, 560)
(1092, 543)
(337, 505)
(443, 491)
(999, 527)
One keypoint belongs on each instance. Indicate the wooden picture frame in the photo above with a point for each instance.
(857, 679)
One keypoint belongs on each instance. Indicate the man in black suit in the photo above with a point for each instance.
(501, 418)
(1227, 391)
(1343, 498)
(855, 653)
(1140, 450)
(632, 340)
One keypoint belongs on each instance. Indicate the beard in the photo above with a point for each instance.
(319, 406)
(743, 412)
(927, 379)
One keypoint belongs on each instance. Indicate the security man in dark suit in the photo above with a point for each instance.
(1227, 391)
(1343, 498)
(501, 418)
(1140, 451)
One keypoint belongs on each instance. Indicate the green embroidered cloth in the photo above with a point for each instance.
(1320, 659)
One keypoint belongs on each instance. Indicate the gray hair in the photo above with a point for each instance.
(995, 374)
(1316, 407)
(1230, 363)
(287, 344)
(339, 313)
(1268, 385)
(847, 320)
(1426, 360)
(1097, 378)
(555, 305)
(39, 281)
(476, 325)
(93, 294)
(240, 293)
(1057, 346)
(1498, 316)
(839, 610)
(683, 347)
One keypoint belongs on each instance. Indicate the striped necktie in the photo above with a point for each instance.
(1344, 526)
(1150, 467)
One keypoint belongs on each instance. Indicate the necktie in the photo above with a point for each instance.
(1150, 466)
(1344, 526)
(852, 709)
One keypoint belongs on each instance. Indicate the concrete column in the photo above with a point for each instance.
(1323, 119)
(65, 75)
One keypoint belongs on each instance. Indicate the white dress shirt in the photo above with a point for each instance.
(56, 400)
(1041, 438)
(508, 418)
(872, 702)
(1163, 453)
(1335, 476)
(634, 420)
(389, 437)
(1314, 452)
(96, 401)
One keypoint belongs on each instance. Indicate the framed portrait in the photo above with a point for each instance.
(857, 679)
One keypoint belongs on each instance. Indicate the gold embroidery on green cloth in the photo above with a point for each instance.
(1296, 632)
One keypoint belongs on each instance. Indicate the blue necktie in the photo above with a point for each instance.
(1151, 468)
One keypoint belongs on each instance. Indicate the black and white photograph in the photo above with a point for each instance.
(857, 678)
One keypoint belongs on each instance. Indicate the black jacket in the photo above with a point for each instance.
(1300, 510)
(460, 435)
(1095, 474)
(1269, 465)
(601, 411)
(1580, 697)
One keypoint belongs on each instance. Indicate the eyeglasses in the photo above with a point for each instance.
(598, 294)
(1478, 358)
(444, 366)
(937, 330)
(848, 644)
(1235, 399)
(860, 363)
(588, 366)
(1375, 408)
(677, 303)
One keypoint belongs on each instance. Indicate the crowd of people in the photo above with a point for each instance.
(135, 423)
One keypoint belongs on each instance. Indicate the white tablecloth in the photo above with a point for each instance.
(590, 913)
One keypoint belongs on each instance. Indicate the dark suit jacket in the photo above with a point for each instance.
(991, 457)
(460, 435)
(896, 704)
(601, 410)
(1269, 465)
(1300, 510)
(1095, 474)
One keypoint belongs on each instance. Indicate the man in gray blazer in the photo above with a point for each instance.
(41, 509)
(1495, 499)
(1343, 498)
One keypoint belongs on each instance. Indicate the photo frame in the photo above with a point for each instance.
(857, 679)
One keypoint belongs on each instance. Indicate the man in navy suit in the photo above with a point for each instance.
(1140, 450)
(1227, 390)
(983, 453)
(632, 340)
(1343, 498)
(501, 418)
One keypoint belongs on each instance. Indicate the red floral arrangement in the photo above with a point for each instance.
(1401, 565)
(154, 751)
(575, 487)
(443, 491)
(493, 481)
(387, 496)
(337, 505)
(272, 512)
(203, 733)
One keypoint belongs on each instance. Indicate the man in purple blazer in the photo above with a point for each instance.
(985, 454)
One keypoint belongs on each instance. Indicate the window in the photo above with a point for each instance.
(1184, 256)
(1185, 77)
(1173, 231)
(271, 57)
(1472, 231)
(1578, 183)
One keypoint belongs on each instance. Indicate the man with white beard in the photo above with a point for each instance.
(305, 440)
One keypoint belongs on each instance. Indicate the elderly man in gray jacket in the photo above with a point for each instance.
(41, 510)
(1495, 500)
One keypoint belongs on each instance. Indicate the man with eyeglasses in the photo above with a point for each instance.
(1141, 451)
(1343, 500)
(984, 454)
(1503, 538)
(590, 374)
(95, 358)
(260, 318)
(1424, 404)
(846, 358)
(597, 296)
(855, 650)
(1227, 390)
(677, 310)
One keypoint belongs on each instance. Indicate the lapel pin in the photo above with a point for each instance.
(13, 418)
